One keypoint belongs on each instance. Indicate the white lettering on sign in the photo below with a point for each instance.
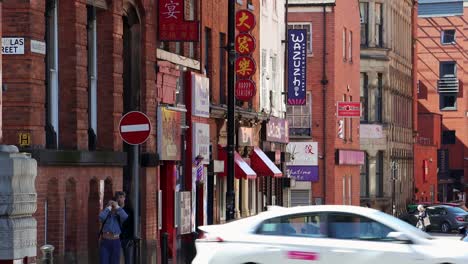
(171, 10)
(38, 46)
(135, 128)
(297, 61)
(12, 46)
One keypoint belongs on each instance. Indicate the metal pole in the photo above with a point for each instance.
(230, 206)
(136, 199)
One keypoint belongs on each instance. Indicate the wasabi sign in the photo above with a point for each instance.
(297, 59)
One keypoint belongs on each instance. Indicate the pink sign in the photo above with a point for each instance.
(303, 255)
(350, 157)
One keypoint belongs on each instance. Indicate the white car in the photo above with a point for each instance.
(331, 234)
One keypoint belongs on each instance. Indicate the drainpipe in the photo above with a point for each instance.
(324, 83)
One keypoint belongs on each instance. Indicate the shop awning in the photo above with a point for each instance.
(242, 170)
(262, 165)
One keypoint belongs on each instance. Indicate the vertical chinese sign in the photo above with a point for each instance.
(297, 60)
(245, 66)
(172, 24)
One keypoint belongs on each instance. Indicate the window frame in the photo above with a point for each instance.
(92, 76)
(443, 96)
(379, 174)
(310, 47)
(344, 39)
(364, 97)
(364, 24)
(364, 177)
(443, 34)
(379, 38)
(281, 219)
(350, 46)
(52, 75)
(449, 139)
(445, 75)
(378, 98)
(295, 108)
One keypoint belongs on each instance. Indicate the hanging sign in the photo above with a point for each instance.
(245, 90)
(297, 60)
(245, 20)
(172, 24)
(245, 67)
(245, 44)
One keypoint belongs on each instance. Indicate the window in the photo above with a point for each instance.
(448, 101)
(265, 92)
(344, 44)
(378, 25)
(304, 225)
(350, 226)
(52, 119)
(306, 26)
(379, 174)
(378, 98)
(350, 46)
(207, 57)
(364, 12)
(300, 118)
(365, 177)
(276, 98)
(448, 137)
(448, 69)
(448, 36)
(364, 97)
(92, 78)
(222, 68)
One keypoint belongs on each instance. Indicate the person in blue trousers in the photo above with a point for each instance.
(111, 219)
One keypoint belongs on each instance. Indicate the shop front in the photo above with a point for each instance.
(303, 170)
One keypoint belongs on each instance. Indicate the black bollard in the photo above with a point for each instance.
(164, 248)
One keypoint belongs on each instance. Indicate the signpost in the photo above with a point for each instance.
(134, 129)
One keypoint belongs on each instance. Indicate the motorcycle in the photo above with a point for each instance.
(463, 232)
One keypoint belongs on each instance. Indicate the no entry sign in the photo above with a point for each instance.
(134, 128)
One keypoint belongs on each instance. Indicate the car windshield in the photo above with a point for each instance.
(403, 226)
(456, 210)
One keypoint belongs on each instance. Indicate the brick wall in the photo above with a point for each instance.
(340, 74)
(72, 192)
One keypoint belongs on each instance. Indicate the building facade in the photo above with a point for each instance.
(441, 77)
(80, 67)
(386, 92)
(330, 142)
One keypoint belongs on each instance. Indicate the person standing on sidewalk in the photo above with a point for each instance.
(111, 218)
(127, 236)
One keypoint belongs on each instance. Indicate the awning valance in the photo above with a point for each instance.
(242, 170)
(262, 165)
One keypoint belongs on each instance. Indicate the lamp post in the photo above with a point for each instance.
(231, 100)
(394, 169)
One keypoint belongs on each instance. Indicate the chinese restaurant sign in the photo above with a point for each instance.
(172, 24)
(277, 130)
(245, 66)
(297, 59)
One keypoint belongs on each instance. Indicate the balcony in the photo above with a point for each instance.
(447, 85)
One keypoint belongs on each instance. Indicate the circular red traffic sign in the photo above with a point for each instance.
(245, 90)
(134, 128)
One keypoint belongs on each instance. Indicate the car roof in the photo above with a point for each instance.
(279, 211)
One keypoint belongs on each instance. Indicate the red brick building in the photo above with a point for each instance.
(332, 76)
(84, 64)
(441, 50)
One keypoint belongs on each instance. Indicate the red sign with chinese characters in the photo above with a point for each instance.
(245, 90)
(245, 67)
(348, 109)
(172, 24)
(245, 44)
(245, 20)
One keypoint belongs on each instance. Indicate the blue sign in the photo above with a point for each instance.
(297, 60)
(304, 173)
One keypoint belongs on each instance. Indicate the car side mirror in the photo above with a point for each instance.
(399, 236)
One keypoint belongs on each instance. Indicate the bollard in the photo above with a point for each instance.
(47, 254)
(164, 248)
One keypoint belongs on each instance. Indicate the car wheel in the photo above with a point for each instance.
(445, 227)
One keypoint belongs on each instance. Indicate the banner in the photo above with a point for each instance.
(297, 60)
